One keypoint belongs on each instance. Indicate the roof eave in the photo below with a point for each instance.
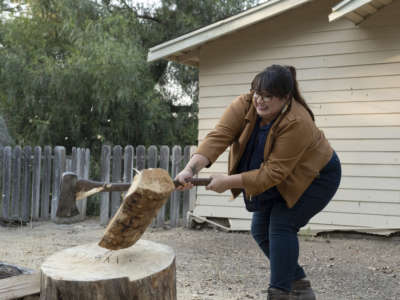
(357, 10)
(185, 44)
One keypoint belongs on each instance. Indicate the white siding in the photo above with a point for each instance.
(350, 76)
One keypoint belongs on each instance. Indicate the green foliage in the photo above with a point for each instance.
(74, 73)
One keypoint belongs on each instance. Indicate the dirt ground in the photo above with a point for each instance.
(215, 265)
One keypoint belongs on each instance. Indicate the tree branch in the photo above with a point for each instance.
(144, 16)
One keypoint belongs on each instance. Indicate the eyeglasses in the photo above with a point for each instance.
(262, 97)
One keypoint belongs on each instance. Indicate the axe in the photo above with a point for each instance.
(73, 189)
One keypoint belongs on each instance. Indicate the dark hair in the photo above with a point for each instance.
(280, 81)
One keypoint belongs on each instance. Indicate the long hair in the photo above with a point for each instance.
(280, 81)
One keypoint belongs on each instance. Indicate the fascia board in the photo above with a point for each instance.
(346, 7)
(218, 29)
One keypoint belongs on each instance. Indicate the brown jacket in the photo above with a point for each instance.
(295, 150)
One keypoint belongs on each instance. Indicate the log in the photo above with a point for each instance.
(145, 271)
(21, 286)
(148, 192)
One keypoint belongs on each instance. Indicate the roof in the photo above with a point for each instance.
(182, 49)
(185, 49)
(357, 10)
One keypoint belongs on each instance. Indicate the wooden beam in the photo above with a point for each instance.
(20, 286)
(384, 2)
(193, 55)
(354, 17)
(370, 9)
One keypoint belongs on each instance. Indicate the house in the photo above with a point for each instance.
(347, 55)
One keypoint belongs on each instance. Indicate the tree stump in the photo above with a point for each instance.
(149, 191)
(145, 271)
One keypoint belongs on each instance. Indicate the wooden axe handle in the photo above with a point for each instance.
(195, 181)
(84, 185)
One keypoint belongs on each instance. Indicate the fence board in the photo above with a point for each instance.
(152, 163)
(46, 184)
(26, 183)
(74, 160)
(152, 157)
(105, 177)
(84, 165)
(16, 182)
(116, 177)
(1, 178)
(164, 164)
(140, 157)
(1, 174)
(81, 156)
(176, 195)
(35, 203)
(186, 194)
(58, 169)
(6, 182)
(128, 164)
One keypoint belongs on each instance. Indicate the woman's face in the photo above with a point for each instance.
(267, 106)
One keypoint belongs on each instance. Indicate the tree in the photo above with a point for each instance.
(74, 73)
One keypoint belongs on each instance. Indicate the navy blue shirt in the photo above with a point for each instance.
(253, 155)
(252, 159)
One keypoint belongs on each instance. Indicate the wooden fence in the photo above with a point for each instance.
(30, 179)
(118, 164)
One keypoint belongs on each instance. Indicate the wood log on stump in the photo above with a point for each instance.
(145, 271)
(149, 191)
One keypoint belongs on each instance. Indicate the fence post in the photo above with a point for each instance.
(35, 204)
(45, 207)
(16, 182)
(116, 177)
(105, 177)
(26, 183)
(176, 195)
(128, 164)
(58, 168)
(6, 182)
(164, 164)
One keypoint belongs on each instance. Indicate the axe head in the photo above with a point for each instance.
(67, 202)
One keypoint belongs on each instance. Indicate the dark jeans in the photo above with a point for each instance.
(275, 227)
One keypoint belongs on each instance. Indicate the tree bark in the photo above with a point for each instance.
(145, 271)
(149, 191)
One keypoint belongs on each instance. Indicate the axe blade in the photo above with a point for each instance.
(67, 202)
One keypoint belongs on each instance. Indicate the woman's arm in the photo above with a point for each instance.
(195, 164)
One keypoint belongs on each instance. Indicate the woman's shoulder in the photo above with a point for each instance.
(243, 99)
(297, 115)
(241, 103)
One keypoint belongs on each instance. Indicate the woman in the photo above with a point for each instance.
(281, 162)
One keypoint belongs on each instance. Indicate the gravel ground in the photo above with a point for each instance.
(215, 265)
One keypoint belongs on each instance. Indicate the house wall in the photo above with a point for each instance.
(349, 75)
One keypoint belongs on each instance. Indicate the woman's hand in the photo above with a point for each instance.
(182, 177)
(219, 183)
(196, 163)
